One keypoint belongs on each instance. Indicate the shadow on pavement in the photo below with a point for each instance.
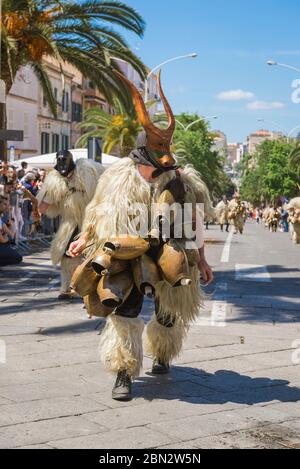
(42, 305)
(224, 386)
(75, 328)
(258, 301)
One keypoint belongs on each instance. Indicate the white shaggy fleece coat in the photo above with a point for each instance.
(293, 207)
(69, 198)
(119, 189)
(222, 210)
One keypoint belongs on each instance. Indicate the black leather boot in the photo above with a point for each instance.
(160, 368)
(122, 387)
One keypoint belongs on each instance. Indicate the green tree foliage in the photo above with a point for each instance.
(118, 131)
(195, 146)
(267, 174)
(294, 159)
(77, 32)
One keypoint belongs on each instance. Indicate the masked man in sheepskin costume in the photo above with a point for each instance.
(222, 213)
(237, 213)
(132, 186)
(66, 192)
(265, 216)
(273, 219)
(293, 207)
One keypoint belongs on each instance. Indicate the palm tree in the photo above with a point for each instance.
(294, 159)
(69, 31)
(118, 130)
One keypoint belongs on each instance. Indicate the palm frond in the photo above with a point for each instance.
(81, 33)
(113, 12)
(40, 71)
(294, 159)
(83, 140)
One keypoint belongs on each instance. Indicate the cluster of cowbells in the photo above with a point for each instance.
(106, 279)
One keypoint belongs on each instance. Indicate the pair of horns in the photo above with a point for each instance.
(142, 112)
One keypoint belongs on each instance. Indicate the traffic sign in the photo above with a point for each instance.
(14, 135)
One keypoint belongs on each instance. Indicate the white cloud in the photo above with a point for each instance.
(264, 105)
(292, 52)
(235, 95)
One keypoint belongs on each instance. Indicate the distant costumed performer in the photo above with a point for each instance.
(237, 213)
(273, 219)
(131, 257)
(293, 208)
(222, 210)
(66, 192)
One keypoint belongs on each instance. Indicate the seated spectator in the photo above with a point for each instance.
(8, 256)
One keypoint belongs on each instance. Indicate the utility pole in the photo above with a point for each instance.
(3, 153)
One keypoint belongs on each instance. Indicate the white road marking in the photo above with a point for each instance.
(219, 306)
(226, 248)
(202, 321)
(217, 317)
(218, 314)
(252, 273)
(218, 310)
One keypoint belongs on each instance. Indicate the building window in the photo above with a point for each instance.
(76, 112)
(44, 143)
(65, 101)
(65, 142)
(55, 142)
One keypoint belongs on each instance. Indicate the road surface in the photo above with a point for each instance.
(235, 384)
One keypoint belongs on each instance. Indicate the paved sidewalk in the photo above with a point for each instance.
(235, 385)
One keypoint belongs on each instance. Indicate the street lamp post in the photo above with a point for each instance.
(290, 67)
(288, 133)
(185, 128)
(273, 123)
(193, 55)
(293, 130)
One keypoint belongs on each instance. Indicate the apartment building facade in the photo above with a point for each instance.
(256, 138)
(29, 110)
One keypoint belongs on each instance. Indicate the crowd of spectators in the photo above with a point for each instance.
(17, 224)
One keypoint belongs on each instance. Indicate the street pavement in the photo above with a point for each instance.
(235, 384)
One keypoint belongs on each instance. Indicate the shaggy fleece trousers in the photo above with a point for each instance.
(121, 342)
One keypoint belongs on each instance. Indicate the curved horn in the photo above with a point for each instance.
(171, 125)
(140, 107)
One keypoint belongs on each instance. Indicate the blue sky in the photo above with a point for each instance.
(233, 40)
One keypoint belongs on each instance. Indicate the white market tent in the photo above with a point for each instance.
(48, 160)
